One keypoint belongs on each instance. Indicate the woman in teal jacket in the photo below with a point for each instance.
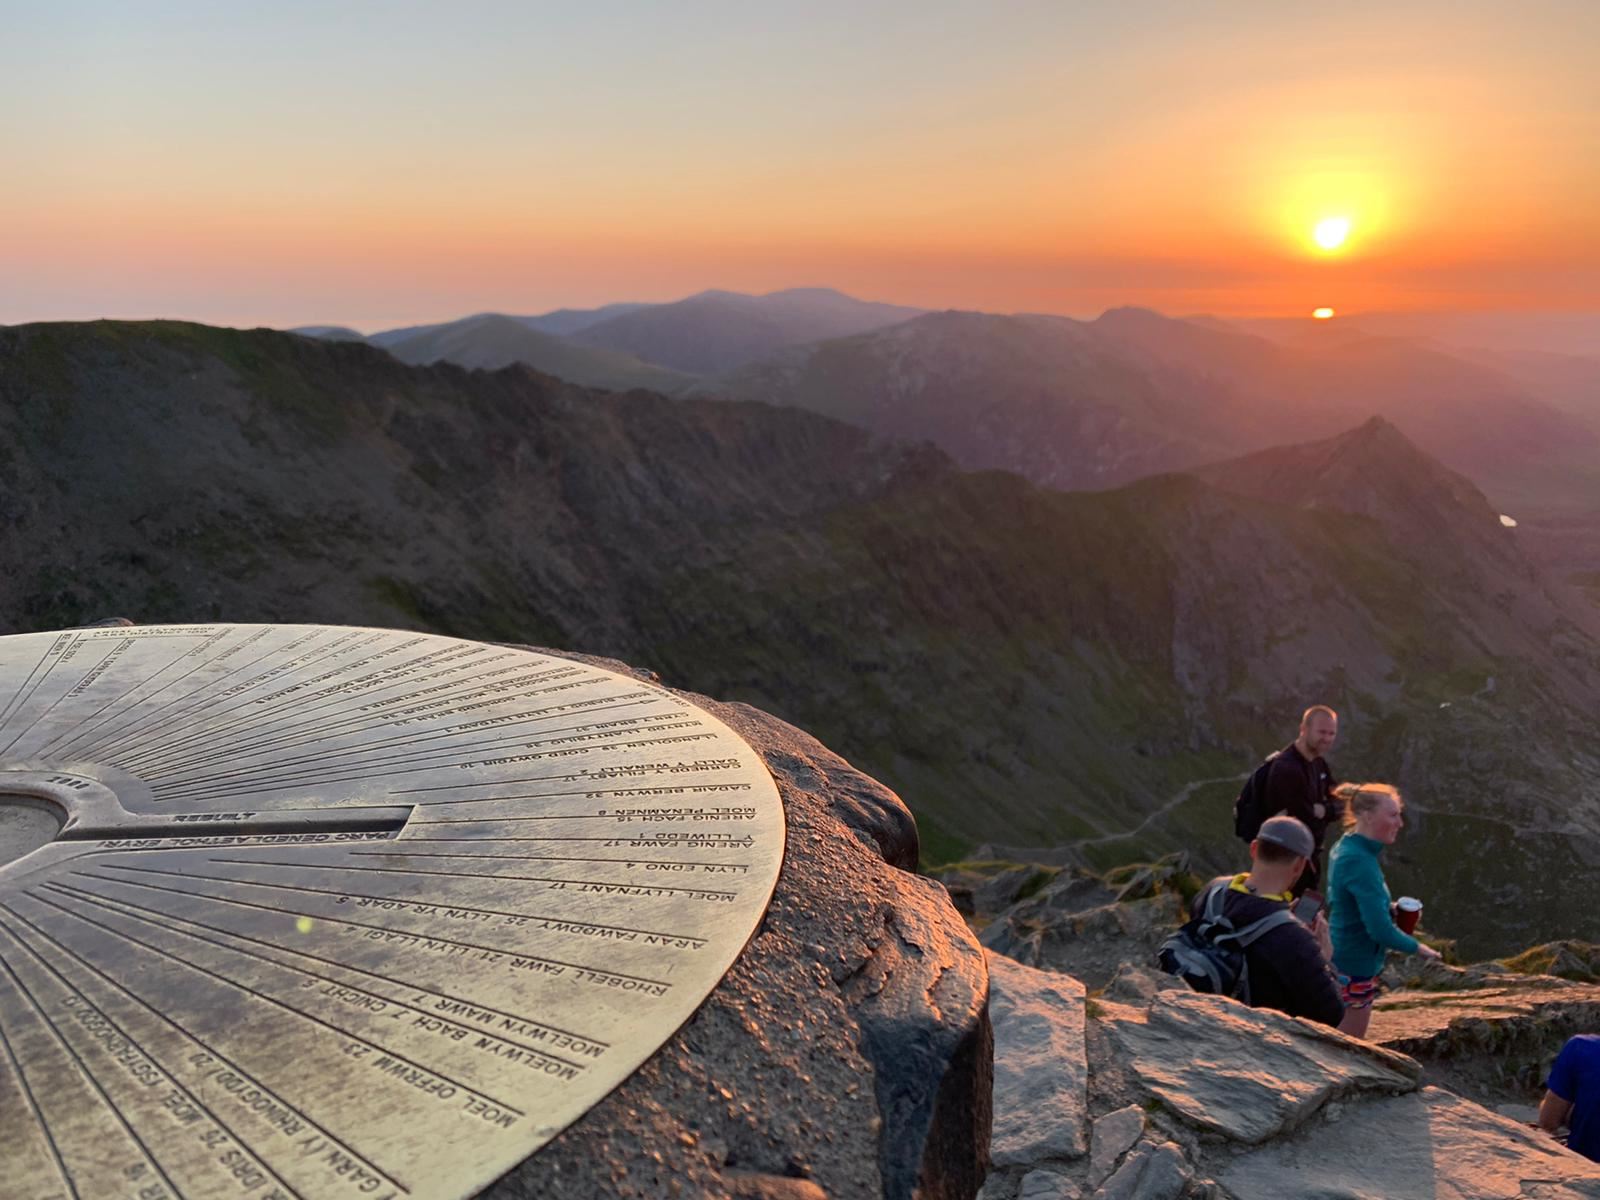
(1358, 899)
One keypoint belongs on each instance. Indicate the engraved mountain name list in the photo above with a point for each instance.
(293, 912)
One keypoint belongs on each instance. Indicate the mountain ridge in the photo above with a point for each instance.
(1022, 665)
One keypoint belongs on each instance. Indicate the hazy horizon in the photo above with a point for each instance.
(379, 167)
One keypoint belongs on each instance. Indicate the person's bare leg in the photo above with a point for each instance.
(1355, 1021)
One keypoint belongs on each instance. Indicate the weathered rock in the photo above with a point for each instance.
(1113, 1135)
(1430, 1145)
(1245, 1073)
(773, 1187)
(1041, 1073)
(848, 1047)
(999, 892)
(1074, 926)
(1492, 1044)
(1152, 1172)
(1048, 1185)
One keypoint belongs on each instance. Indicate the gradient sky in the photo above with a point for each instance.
(382, 164)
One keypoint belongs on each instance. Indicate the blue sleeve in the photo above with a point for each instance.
(1563, 1081)
(1372, 901)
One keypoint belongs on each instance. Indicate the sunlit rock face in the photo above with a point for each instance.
(1193, 1097)
(847, 1052)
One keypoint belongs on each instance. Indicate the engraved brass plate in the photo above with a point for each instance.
(309, 911)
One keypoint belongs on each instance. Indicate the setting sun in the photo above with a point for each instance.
(1322, 314)
(1331, 232)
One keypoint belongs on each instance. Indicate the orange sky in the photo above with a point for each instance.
(372, 168)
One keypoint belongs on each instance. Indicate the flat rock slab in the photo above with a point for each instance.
(1416, 1021)
(1248, 1074)
(1429, 1145)
(1040, 1069)
(1113, 1136)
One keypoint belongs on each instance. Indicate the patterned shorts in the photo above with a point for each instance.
(1358, 993)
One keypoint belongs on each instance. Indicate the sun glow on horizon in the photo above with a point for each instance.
(1331, 232)
(1322, 314)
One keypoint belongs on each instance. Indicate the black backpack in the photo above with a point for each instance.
(1249, 810)
(1208, 952)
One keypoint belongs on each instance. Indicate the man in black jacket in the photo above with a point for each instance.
(1300, 784)
(1288, 964)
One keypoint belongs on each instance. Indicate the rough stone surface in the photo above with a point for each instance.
(1048, 1185)
(773, 1187)
(1113, 1135)
(849, 1046)
(1430, 1145)
(1041, 1073)
(1152, 1172)
(1246, 1073)
(1000, 891)
(1076, 925)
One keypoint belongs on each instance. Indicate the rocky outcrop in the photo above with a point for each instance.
(1195, 1097)
(1416, 1147)
(1493, 1043)
(846, 1054)
(1041, 1075)
(1087, 925)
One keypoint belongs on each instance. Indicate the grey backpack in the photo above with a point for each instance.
(1207, 953)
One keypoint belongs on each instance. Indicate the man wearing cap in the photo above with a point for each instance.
(1288, 964)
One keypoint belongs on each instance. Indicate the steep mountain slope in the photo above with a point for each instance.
(1093, 404)
(1025, 666)
(716, 331)
(494, 341)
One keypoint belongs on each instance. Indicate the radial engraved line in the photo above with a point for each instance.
(172, 1080)
(455, 732)
(285, 668)
(33, 1105)
(259, 957)
(434, 937)
(209, 726)
(586, 792)
(608, 883)
(20, 700)
(258, 719)
(113, 652)
(233, 1066)
(255, 785)
(542, 714)
(131, 735)
(108, 903)
(105, 1098)
(351, 967)
(300, 719)
(86, 727)
(303, 887)
(174, 774)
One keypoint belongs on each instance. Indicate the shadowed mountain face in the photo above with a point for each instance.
(716, 331)
(1025, 666)
(1093, 404)
(493, 341)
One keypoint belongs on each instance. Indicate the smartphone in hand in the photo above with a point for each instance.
(1307, 907)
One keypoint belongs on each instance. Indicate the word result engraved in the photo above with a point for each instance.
(294, 912)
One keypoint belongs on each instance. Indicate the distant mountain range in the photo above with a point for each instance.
(717, 331)
(1076, 404)
(708, 332)
(1024, 665)
(492, 342)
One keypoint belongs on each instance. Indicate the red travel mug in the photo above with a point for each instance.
(1407, 912)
